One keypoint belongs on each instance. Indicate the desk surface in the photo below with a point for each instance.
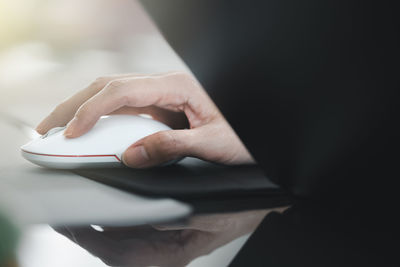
(48, 51)
(204, 240)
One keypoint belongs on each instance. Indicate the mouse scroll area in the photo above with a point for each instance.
(53, 131)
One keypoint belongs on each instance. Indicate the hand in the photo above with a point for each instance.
(174, 98)
(165, 245)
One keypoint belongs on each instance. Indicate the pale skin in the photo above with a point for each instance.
(174, 98)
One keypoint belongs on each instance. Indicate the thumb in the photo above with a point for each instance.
(158, 148)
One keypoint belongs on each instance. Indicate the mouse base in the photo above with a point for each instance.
(73, 161)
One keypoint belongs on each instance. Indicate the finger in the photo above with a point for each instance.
(175, 120)
(169, 91)
(165, 146)
(160, 148)
(65, 111)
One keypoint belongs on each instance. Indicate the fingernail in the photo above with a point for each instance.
(136, 157)
(70, 127)
(68, 133)
(40, 128)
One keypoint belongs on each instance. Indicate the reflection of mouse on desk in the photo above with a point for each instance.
(102, 146)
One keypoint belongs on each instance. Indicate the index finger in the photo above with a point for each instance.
(66, 110)
(170, 91)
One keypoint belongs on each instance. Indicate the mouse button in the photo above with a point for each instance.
(53, 131)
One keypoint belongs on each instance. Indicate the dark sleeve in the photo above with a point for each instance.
(309, 86)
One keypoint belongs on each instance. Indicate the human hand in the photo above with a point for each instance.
(164, 245)
(174, 98)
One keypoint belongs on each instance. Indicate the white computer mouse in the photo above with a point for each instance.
(102, 146)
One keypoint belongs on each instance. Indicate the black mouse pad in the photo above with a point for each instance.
(208, 186)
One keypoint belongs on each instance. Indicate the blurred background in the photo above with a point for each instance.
(50, 49)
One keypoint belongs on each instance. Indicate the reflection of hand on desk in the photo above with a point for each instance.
(164, 245)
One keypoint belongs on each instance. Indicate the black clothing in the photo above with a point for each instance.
(309, 86)
(311, 89)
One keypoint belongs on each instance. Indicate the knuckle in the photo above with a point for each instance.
(100, 82)
(83, 111)
(54, 112)
(168, 143)
(189, 84)
(186, 77)
(115, 86)
(116, 90)
(60, 108)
